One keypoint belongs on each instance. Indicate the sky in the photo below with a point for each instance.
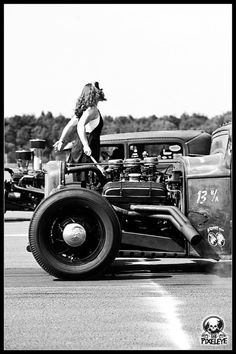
(150, 59)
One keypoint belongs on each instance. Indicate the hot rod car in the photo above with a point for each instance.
(178, 206)
(163, 197)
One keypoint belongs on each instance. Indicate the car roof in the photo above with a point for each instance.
(184, 135)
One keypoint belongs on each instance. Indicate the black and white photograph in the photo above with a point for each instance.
(117, 156)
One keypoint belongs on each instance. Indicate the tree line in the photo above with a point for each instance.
(20, 129)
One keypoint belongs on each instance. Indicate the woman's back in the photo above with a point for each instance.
(93, 117)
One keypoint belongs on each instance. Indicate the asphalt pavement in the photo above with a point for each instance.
(139, 304)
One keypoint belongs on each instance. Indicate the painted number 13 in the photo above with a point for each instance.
(201, 197)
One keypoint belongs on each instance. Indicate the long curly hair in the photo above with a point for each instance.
(89, 97)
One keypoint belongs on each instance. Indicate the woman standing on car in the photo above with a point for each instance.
(89, 124)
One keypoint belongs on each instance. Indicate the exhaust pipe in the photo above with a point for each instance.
(179, 220)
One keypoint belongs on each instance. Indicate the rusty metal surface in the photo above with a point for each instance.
(206, 166)
(210, 209)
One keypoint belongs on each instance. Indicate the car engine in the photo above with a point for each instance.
(142, 181)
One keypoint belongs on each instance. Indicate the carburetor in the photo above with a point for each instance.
(133, 170)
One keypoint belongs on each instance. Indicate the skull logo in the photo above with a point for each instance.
(213, 325)
(212, 239)
(220, 239)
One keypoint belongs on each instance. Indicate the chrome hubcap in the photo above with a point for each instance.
(74, 234)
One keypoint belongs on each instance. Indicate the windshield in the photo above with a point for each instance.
(161, 150)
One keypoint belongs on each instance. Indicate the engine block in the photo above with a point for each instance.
(136, 181)
(126, 192)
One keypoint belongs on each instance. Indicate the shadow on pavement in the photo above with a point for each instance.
(120, 276)
(134, 269)
(221, 268)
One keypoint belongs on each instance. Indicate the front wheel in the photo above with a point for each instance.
(74, 234)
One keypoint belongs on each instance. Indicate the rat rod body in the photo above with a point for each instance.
(166, 200)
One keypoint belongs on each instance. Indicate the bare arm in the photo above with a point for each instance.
(72, 122)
